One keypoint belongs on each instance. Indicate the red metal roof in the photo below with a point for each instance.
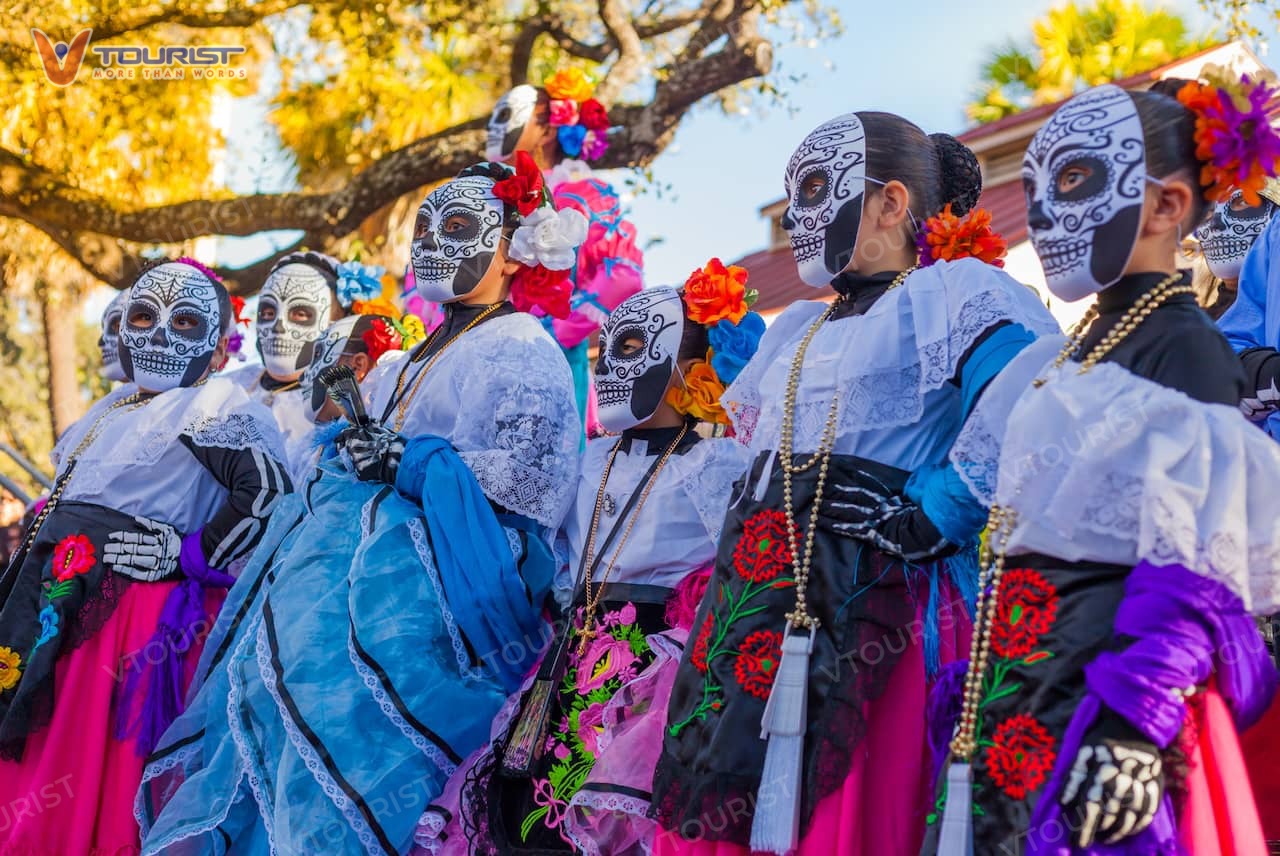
(1008, 206)
(773, 273)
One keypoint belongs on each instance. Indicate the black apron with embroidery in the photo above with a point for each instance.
(54, 596)
(712, 757)
(1052, 619)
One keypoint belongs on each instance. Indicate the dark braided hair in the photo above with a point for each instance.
(937, 169)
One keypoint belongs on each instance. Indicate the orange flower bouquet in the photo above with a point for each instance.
(946, 237)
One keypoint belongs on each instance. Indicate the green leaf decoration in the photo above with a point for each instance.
(752, 296)
(533, 818)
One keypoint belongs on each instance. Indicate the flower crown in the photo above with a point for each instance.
(581, 122)
(392, 333)
(545, 242)
(717, 297)
(946, 237)
(1234, 138)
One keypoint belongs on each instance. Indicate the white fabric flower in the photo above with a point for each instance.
(569, 169)
(550, 238)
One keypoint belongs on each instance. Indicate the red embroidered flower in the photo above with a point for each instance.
(73, 556)
(700, 645)
(524, 189)
(380, 338)
(758, 662)
(762, 551)
(1022, 756)
(593, 115)
(1025, 611)
(543, 288)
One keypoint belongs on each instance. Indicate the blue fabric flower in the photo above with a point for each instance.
(48, 626)
(571, 137)
(358, 282)
(733, 345)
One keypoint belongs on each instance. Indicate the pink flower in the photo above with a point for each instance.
(627, 615)
(604, 659)
(561, 751)
(564, 113)
(595, 145)
(591, 728)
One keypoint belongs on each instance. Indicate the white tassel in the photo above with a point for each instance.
(955, 835)
(776, 825)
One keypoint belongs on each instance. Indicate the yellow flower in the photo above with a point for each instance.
(10, 674)
(569, 84)
(700, 395)
(377, 306)
(414, 330)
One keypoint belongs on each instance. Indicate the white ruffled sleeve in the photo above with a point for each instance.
(713, 468)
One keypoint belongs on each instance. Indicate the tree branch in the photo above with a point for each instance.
(131, 19)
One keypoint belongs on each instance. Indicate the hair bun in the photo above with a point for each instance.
(326, 265)
(961, 174)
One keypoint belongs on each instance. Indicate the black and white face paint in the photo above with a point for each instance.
(1226, 237)
(109, 341)
(511, 115)
(455, 238)
(630, 383)
(171, 327)
(1085, 177)
(320, 354)
(826, 182)
(299, 303)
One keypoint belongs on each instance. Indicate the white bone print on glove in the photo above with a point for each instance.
(149, 555)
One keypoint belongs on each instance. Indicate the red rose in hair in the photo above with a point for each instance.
(758, 662)
(524, 189)
(380, 338)
(593, 115)
(542, 288)
(763, 550)
(1025, 610)
(1022, 756)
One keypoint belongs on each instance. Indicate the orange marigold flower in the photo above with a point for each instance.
(946, 237)
(569, 84)
(699, 397)
(716, 292)
(377, 306)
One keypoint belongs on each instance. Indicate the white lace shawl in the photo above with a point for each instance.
(886, 361)
(678, 528)
(503, 396)
(137, 464)
(1111, 467)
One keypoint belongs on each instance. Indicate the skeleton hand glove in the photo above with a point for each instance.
(882, 519)
(1115, 786)
(1262, 370)
(147, 556)
(375, 452)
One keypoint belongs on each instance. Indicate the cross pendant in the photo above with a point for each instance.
(586, 634)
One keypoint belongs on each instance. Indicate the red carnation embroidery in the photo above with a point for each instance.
(758, 662)
(762, 551)
(1027, 606)
(700, 645)
(73, 555)
(1022, 756)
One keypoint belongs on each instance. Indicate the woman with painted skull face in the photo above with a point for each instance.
(396, 603)
(109, 341)
(641, 536)
(1132, 528)
(845, 562)
(161, 486)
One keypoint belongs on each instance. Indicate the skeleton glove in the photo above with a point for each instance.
(1115, 787)
(881, 518)
(1262, 369)
(375, 452)
(148, 556)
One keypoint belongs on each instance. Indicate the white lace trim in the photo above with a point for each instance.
(421, 545)
(237, 431)
(713, 467)
(429, 749)
(908, 344)
(1110, 467)
(149, 774)
(599, 801)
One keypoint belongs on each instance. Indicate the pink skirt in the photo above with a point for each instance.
(880, 810)
(1219, 818)
(72, 793)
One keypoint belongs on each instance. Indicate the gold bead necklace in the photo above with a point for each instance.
(1000, 523)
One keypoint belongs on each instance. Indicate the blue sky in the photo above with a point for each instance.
(918, 58)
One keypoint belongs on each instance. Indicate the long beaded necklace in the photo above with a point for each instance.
(1000, 523)
(594, 596)
(800, 564)
(403, 408)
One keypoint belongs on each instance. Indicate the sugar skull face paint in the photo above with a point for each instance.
(109, 341)
(826, 182)
(1085, 176)
(455, 238)
(293, 309)
(639, 349)
(171, 327)
(511, 115)
(1227, 236)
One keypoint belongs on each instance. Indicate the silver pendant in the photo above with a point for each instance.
(610, 506)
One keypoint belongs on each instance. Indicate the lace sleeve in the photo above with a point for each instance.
(241, 430)
(714, 467)
(519, 429)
